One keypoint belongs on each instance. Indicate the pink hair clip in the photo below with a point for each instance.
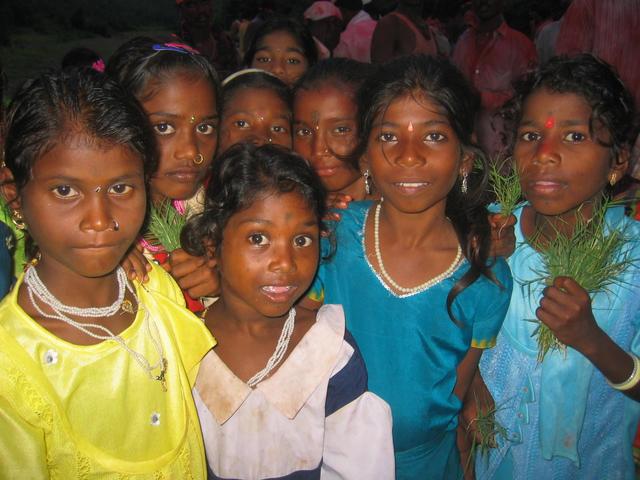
(98, 65)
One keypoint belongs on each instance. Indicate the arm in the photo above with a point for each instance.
(503, 237)
(566, 309)
(466, 373)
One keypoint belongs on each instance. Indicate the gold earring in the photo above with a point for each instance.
(198, 159)
(18, 220)
(612, 179)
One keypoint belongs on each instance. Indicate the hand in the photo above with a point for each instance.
(339, 201)
(503, 237)
(196, 275)
(566, 309)
(136, 265)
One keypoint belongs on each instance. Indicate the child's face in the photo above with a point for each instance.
(280, 54)
(414, 154)
(256, 116)
(185, 121)
(561, 165)
(269, 255)
(84, 206)
(325, 125)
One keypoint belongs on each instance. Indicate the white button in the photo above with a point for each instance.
(50, 357)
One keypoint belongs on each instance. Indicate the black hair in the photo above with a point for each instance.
(50, 108)
(611, 103)
(142, 63)
(343, 73)
(353, 5)
(439, 81)
(242, 175)
(277, 24)
(80, 57)
(250, 80)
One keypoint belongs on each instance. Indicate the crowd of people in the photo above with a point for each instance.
(275, 254)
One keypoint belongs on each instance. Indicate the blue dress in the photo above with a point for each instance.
(6, 265)
(563, 420)
(410, 344)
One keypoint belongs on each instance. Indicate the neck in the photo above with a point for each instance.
(548, 227)
(242, 318)
(77, 290)
(490, 24)
(356, 190)
(415, 229)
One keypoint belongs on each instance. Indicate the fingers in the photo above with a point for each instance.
(136, 265)
(503, 239)
(338, 200)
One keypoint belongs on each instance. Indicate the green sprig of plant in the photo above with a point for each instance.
(487, 430)
(165, 225)
(505, 185)
(591, 255)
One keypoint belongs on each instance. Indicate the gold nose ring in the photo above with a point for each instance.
(198, 159)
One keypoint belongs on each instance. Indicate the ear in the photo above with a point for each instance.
(363, 162)
(466, 165)
(619, 166)
(8, 189)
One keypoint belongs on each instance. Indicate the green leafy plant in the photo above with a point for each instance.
(505, 185)
(165, 225)
(487, 430)
(591, 255)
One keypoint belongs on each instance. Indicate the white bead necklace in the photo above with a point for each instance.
(37, 289)
(278, 354)
(385, 274)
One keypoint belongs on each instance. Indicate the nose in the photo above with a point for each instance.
(187, 145)
(282, 257)
(97, 216)
(319, 146)
(547, 151)
(409, 154)
(277, 68)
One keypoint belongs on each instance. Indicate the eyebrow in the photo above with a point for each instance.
(564, 123)
(213, 116)
(288, 49)
(261, 221)
(254, 114)
(70, 179)
(428, 123)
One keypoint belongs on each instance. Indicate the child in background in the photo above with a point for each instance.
(256, 108)
(179, 90)
(325, 119)
(283, 47)
(565, 417)
(412, 271)
(307, 413)
(95, 372)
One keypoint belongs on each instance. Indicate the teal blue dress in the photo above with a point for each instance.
(410, 344)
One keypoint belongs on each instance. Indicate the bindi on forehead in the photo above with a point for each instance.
(550, 122)
(410, 127)
(315, 119)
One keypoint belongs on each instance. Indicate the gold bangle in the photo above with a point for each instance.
(633, 379)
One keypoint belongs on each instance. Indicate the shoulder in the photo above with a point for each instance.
(162, 283)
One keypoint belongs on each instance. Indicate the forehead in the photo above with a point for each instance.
(280, 40)
(326, 99)
(275, 207)
(560, 105)
(412, 106)
(180, 89)
(254, 99)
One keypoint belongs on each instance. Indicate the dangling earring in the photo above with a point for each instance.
(367, 182)
(612, 179)
(464, 186)
(18, 221)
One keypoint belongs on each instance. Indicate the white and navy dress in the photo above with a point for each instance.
(313, 418)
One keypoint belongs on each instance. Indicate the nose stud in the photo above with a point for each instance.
(116, 225)
(198, 159)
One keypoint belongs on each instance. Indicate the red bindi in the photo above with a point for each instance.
(550, 122)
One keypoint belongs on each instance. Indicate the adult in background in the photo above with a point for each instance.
(355, 40)
(404, 32)
(492, 55)
(198, 30)
(324, 21)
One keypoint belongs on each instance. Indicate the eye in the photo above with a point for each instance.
(241, 124)
(342, 130)
(293, 61)
(434, 137)
(303, 241)
(387, 137)
(279, 129)
(303, 132)
(575, 137)
(262, 59)
(530, 136)
(258, 239)
(120, 189)
(206, 128)
(164, 128)
(65, 191)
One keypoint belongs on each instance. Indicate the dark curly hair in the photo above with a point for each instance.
(441, 82)
(242, 175)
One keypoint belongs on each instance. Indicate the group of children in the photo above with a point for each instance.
(346, 341)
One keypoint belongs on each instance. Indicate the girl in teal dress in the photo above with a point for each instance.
(574, 415)
(412, 271)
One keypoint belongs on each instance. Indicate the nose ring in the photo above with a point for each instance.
(198, 159)
(116, 225)
(270, 140)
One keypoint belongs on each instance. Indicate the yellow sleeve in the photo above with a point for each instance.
(22, 447)
(163, 283)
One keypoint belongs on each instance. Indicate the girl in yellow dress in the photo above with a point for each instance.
(95, 371)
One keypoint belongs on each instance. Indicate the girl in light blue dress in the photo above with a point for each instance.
(574, 416)
(412, 271)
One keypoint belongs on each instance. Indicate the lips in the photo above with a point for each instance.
(546, 186)
(184, 175)
(410, 187)
(279, 293)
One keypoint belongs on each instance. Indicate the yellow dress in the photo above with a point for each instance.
(74, 412)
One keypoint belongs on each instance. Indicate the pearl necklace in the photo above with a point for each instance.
(37, 289)
(278, 354)
(385, 274)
